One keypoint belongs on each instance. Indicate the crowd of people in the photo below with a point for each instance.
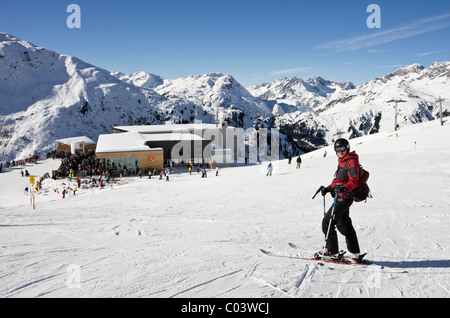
(16, 163)
(82, 165)
(87, 169)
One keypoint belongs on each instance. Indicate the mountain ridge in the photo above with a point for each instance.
(45, 96)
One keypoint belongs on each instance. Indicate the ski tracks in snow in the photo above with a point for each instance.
(129, 227)
(295, 281)
(203, 284)
(298, 278)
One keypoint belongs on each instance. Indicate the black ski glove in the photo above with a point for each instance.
(339, 189)
(325, 190)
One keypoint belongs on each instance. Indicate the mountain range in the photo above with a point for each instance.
(45, 96)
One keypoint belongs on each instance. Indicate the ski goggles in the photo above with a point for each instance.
(340, 149)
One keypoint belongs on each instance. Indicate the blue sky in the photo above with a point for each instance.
(256, 41)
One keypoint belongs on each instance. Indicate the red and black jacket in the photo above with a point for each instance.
(347, 174)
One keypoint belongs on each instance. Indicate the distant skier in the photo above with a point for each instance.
(269, 169)
(299, 162)
(217, 171)
(345, 181)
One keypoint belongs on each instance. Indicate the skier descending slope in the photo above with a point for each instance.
(338, 216)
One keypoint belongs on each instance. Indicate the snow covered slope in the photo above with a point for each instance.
(201, 237)
(140, 79)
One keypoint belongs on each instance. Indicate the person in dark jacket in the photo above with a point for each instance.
(345, 181)
(299, 162)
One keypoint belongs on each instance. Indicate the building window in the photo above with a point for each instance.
(123, 165)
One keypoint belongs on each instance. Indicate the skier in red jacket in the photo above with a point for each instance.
(345, 181)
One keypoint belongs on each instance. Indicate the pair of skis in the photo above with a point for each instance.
(320, 259)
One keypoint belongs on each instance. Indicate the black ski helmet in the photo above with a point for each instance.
(341, 142)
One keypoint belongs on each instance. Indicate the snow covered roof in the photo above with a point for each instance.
(83, 139)
(134, 141)
(171, 136)
(130, 141)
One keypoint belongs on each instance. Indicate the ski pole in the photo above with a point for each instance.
(331, 218)
(324, 208)
(329, 224)
(317, 192)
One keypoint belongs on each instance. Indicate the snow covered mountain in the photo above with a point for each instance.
(314, 111)
(140, 79)
(299, 93)
(45, 96)
(348, 111)
(208, 91)
(214, 90)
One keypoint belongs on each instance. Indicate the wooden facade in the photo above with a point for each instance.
(67, 148)
(149, 159)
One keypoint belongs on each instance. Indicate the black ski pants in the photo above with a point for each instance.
(343, 222)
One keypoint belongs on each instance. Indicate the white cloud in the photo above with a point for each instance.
(385, 36)
(291, 71)
(393, 66)
(426, 53)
